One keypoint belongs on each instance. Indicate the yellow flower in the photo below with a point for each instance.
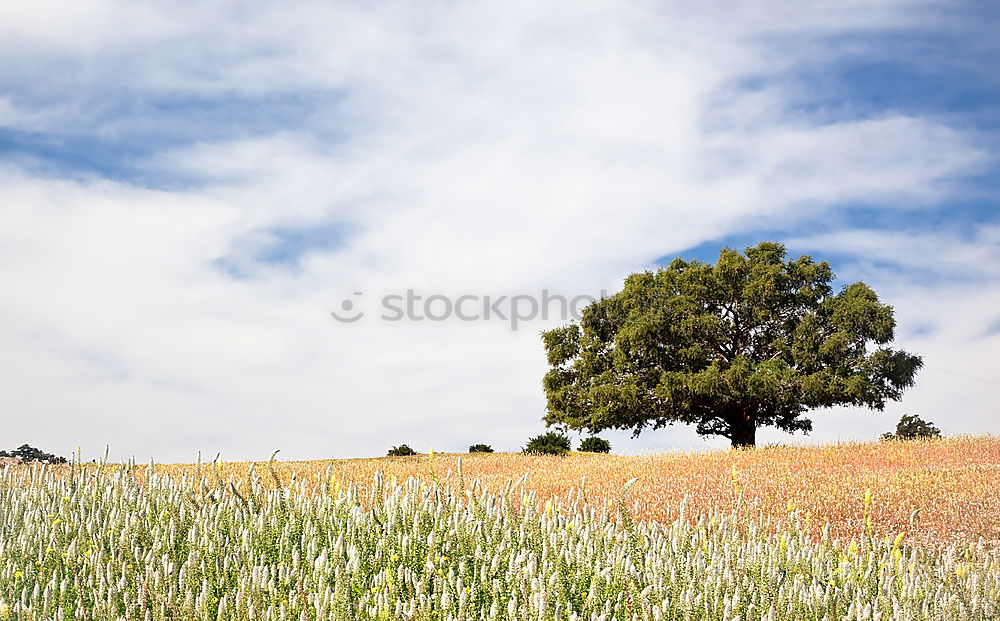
(18, 574)
(56, 522)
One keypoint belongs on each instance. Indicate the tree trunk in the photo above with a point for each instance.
(744, 435)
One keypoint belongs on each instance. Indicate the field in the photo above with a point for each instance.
(856, 531)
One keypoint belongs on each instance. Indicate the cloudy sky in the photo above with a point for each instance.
(188, 189)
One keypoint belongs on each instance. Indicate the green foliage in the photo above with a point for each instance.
(912, 427)
(480, 448)
(595, 445)
(30, 454)
(549, 443)
(754, 340)
(401, 451)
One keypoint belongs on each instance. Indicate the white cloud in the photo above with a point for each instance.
(487, 148)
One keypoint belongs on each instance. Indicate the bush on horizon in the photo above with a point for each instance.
(550, 443)
(594, 444)
(403, 450)
(912, 427)
(28, 454)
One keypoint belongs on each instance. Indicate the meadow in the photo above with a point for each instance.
(894, 530)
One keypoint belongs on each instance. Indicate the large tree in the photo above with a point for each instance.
(754, 340)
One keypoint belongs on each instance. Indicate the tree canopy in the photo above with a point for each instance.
(754, 340)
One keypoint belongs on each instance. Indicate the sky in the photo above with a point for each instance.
(188, 190)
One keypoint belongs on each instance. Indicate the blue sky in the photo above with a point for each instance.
(117, 133)
(186, 199)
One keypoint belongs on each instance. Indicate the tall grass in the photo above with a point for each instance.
(129, 543)
(943, 492)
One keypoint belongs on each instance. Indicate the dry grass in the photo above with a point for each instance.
(103, 543)
(944, 492)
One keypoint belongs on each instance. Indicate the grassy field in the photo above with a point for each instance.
(856, 531)
(953, 485)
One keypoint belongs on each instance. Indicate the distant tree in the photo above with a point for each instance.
(401, 451)
(28, 453)
(754, 340)
(550, 443)
(595, 445)
(480, 448)
(912, 427)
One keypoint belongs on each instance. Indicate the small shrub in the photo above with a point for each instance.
(401, 451)
(29, 454)
(551, 443)
(912, 427)
(595, 445)
(480, 448)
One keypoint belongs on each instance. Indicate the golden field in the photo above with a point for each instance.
(939, 493)
(872, 532)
